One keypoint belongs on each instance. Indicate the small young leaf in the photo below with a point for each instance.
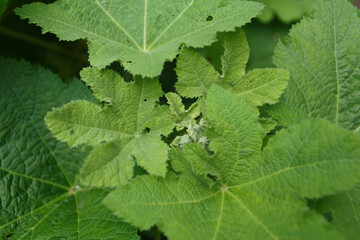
(260, 86)
(130, 121)
(193, 158)
(181, 116)
(268, 124)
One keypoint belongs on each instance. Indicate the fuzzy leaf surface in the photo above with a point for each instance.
(127, 128)
(256, 195)
(259, 86)
(142, 34)
(40, 196)
(322, 55)
(181, 116)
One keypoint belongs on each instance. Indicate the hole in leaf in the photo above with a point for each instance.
(129, 62)
(147, 129)
(212, 177)
(153, 233)
(145, 100)
(127, 40)
(209, 18)
(56, 220)
(72, 131)
(181, 46)
(328, 216)
(139, 171)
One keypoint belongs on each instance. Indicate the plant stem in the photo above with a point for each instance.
(39, 42)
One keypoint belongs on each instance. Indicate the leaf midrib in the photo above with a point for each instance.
(32, 229)
(112, 19)
(96, 128)
(328, 161)
(60, 199)
(353, 207)
(336, 66)
(151, 48)
(34, 178)
(65, 195)
(263, 85)
(253, 216)
(171, 24)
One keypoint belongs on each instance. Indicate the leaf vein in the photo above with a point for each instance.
(118, 24)
(172, 23)
(251, 214)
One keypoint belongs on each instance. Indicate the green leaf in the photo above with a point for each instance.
(321, 54)
(260, 86)
(345, 211)
(193, 158)
(286, 10)
(257, 195)
(142, 34)
(262, 39)
(180, 116)
(40, 197)
(268, 124)
(130, 123)
(3, 4)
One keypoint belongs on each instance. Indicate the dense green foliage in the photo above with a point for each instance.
(39, 175)
(180, 125)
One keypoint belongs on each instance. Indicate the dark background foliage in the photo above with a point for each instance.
(21, 40)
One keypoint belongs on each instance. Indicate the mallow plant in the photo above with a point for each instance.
(226, 153)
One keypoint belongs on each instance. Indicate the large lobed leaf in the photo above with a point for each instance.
(142, 34)
(40, 196)
(259, 86)
(322, 54)
(240, 192)
(128, 128)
